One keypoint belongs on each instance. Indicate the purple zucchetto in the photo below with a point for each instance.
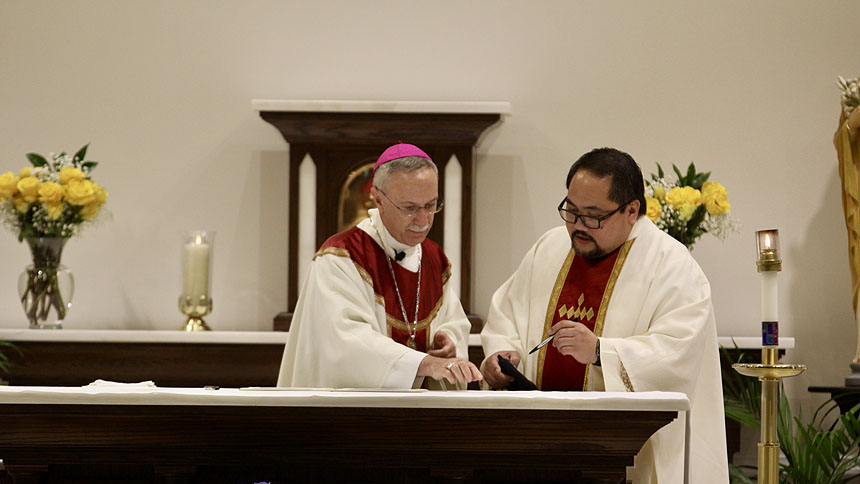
(400, 150)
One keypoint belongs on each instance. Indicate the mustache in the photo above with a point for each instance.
(581, 233)
(418, 228)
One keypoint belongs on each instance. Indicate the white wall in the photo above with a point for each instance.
(163, 91)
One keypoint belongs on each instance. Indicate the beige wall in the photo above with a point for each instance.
(163, 91)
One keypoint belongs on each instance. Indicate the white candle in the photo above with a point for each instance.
(195, 255)
(769, 266)
(769, 297)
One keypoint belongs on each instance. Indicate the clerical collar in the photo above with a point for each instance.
(411, 255)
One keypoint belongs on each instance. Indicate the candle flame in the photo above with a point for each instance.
(767, 241)
(198, 239)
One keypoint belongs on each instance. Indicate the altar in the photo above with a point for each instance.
(149, 434)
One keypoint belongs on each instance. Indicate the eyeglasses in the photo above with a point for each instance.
(413, 210)
(590, 221)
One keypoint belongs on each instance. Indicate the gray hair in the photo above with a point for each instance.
(407, 164)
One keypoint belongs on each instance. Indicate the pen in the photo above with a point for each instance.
(542, 343)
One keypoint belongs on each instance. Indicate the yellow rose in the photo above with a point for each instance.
(29, 188)
(101, 194)
(70, 173)
(652, 208)
(54, 210)
(711, 189)
(659, 192)
(679, 196)
(90, 211)
(21, 205)
(80, 192)
(686, 211)
(24, 173)
(8, 185)
(51, 192)
(717, 205)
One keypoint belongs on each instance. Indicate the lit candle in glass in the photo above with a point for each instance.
(769, 264)
(196, 299)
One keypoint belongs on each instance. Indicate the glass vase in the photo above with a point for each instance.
(46, 286)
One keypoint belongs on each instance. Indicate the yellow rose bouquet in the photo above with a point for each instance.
(45, 205)
(53, 197)
(689, 207)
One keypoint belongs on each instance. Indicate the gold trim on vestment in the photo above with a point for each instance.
(390, 320)
(338, 251)
(401, 325)
(550, 312)
(607, 295)
(447, 274)
(626, 378)
(341, 252)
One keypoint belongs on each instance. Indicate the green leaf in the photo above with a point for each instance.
(82, 153)
(89, 166)
(680, 176)
(37, 159)
(660, 171)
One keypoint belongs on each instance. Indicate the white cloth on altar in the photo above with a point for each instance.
(339, 337)
(659, 334)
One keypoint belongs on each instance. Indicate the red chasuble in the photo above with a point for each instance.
(369, 259)
(582, 291)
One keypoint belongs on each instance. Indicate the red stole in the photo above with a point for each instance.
(582, 291)
(369, 259)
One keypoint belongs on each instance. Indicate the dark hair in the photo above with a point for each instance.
(627, 184)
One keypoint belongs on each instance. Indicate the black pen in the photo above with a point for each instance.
(542, 343)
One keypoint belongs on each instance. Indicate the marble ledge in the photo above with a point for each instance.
(243, 337)
(456, 107)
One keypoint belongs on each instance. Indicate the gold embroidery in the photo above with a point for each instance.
(397, 323)
(391, 321)
(338, 251)
(626, 378)
(579, 313)
(607, 295)
(553, 301)
(341, 252)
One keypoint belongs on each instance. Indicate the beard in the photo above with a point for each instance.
(594, 253)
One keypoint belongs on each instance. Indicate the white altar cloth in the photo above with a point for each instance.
(469, 399)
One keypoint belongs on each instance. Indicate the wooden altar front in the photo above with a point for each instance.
(342, 137)
(235, 436)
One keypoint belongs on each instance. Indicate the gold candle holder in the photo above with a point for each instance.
(195, 300)
(769, 372)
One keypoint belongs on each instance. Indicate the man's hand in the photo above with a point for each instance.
(454, 370)
(492, 371)
(443, 346)
(573, 338)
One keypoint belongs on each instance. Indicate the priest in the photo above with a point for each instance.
(628, 310)
(377, 309)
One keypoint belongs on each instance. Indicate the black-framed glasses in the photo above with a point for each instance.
(413, 210)
(590, 221)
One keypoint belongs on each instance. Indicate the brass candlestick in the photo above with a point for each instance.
(769, 372)
(195, 301)
(195, 310)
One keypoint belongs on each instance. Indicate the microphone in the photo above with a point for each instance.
(398, 255)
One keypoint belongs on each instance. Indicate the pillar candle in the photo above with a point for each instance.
(769, 256)
(195, 255)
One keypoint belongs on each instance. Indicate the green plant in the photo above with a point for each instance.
(5, 364)
(816, 453)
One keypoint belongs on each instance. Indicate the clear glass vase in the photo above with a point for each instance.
(46, 286)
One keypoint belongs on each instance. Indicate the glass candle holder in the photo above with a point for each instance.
(196, 299)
